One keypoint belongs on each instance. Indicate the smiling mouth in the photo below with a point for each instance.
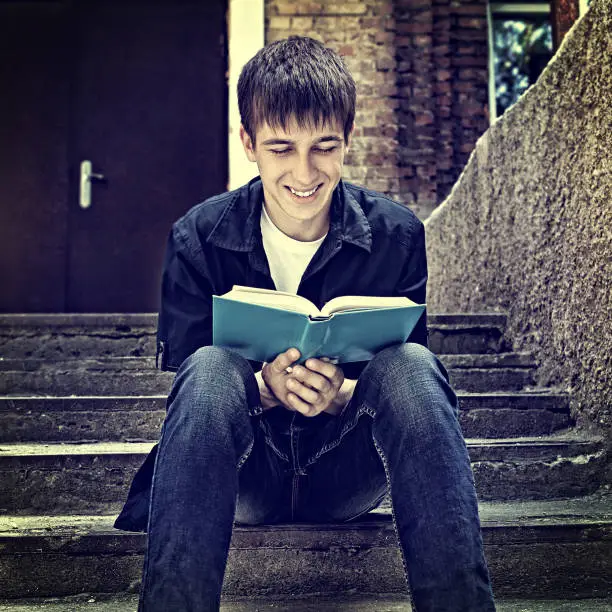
(303, 194)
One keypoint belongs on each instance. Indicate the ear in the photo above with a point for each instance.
(247, 143)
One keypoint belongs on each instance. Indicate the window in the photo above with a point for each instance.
(520, 46)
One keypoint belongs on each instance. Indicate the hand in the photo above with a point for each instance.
(274, 377)
(314, 387)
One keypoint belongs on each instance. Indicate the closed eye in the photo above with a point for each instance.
(322, 150)
(280, 151)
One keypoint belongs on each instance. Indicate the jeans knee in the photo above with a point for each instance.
(211, 360)
(216, 379)
(395, 364)
(411, 384)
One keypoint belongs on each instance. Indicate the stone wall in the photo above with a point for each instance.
(528, 226)
(420, 68)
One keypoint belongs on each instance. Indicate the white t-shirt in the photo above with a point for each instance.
(288, 258)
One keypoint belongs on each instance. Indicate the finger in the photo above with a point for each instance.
(332, 372)
(284, 360)
(312, 379)
(307, 394)
(300, 405)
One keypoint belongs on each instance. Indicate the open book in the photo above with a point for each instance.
(261, 323)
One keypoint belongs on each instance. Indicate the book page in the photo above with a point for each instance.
(363, 302)
(275, 299)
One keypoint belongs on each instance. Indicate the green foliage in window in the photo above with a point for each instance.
(522, 48)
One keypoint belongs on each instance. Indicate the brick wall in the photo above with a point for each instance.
(421, 73)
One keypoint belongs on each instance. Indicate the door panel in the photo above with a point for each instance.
(34, 90)
(139, 89)
(150, 114)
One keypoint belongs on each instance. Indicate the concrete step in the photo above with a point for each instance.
(104, 602)
(537, 549)
(52, 336)
(88, 478)
(139, 418)
(137, 375)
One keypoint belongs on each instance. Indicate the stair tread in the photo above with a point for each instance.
(94, 602)
(593, 509)
(14, 320)
(147, 362)
(564, 438)
(9, 403)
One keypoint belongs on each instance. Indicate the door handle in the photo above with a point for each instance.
(85, 183)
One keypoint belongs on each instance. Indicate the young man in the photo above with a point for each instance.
(314, 442)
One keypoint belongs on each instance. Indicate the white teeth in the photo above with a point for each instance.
(303, 194)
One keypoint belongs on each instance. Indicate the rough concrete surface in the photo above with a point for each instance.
(129, 603)
(528, 227)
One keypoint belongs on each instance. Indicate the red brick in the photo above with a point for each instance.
(424, 118)
(471, 60)
(443, 75)
(301, 23)
(422, 17)
(403, 66)
(468, 109)
(473, 73)
(443, 87)
(389, 131)
(476, 23)
(426, 171)
(385, 64)
(413, 28)
(381, 38)
(422, 41)
(471, 9)
(442, 24)
(371, 131)
(441, 50)
(442, 10)
(413, 4)
(465, 86)
(346, 50)
(469, 35)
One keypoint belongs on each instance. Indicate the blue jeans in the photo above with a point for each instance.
(222, 460)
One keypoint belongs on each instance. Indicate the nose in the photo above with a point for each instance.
(305, 173)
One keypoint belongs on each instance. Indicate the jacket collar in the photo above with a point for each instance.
(238, 228)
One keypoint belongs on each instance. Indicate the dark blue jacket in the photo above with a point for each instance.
(374, 246)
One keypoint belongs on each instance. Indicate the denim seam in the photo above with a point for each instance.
(145, 578)
(295, 451)
(294, 494)
(364, 409)
(395, 527)
(246, 454)
(270, 442)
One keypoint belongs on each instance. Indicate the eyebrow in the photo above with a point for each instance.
(283, 141)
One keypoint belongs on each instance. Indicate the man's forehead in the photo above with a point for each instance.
(294, 130)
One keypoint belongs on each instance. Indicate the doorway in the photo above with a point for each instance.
(139, 90)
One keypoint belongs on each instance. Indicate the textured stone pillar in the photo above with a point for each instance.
(528, 226)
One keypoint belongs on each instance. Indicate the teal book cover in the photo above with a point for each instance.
(260, 333)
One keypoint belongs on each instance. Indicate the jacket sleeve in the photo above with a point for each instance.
(413, 283)
(185, 316)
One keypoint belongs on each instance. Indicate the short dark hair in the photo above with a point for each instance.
(298, 77)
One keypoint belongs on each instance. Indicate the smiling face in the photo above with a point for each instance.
(299, 167)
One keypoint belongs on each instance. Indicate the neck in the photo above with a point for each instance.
(304, 231)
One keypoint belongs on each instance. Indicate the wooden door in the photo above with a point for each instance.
(146, 95)
(34, 124)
